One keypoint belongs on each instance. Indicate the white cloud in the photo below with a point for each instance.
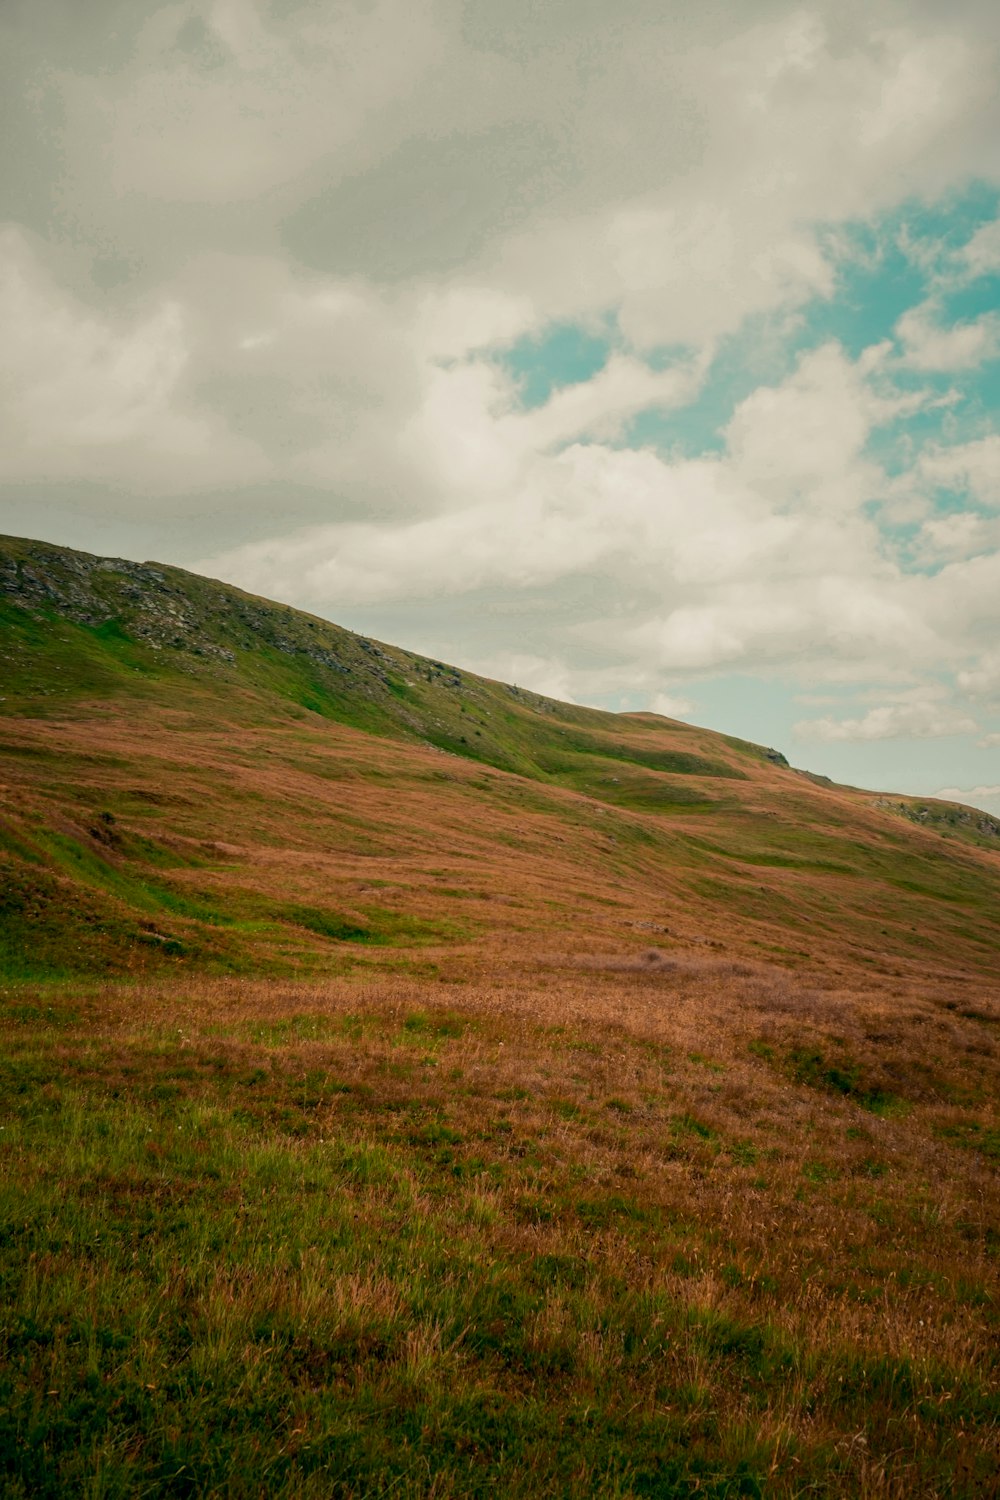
(452, 321)
(982, 681)
(793, 118)
(974, 467)
(987, 798)
(760, 555)
(962, 602)
(221, 104)
(914, 718)
(981, 256)
(928, 345)
(803, 439)
(82, 397)
(325, 221)
(956, 535)
(671, 707)
(539, 674)
(601, 406)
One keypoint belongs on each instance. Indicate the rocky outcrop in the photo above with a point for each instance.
(943, 815)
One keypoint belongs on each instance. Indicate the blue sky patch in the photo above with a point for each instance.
(884, 268)
(563, 354)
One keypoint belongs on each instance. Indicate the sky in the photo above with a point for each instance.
(643, 353)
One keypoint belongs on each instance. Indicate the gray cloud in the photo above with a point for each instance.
(259, 259)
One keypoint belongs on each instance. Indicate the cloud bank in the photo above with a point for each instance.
(304, 289)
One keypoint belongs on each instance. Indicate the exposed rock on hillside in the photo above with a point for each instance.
(943, 815)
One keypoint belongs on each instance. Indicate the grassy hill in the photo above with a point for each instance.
(415, 1086)
(195, 775)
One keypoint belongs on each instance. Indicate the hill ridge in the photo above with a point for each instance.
(219, 620)
(190, 774)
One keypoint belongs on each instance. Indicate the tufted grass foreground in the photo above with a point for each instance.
(646, 1234)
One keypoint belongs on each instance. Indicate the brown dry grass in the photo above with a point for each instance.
(680, 1080)
(689, 1121)
(817, 1259)
(253, 819)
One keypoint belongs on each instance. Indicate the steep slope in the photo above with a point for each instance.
(189, 774)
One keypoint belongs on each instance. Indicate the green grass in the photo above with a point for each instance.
(842, 1076)
(216, 1308)
(48, 660)
(283, 1256)
(974, 1135)
(379, 926)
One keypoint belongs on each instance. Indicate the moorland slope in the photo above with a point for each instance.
(189, 774)
(413, 1086)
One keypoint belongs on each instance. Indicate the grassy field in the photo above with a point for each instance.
(634, 1228)
(411, 1086)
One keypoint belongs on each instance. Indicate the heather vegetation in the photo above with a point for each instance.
(598, 1108)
